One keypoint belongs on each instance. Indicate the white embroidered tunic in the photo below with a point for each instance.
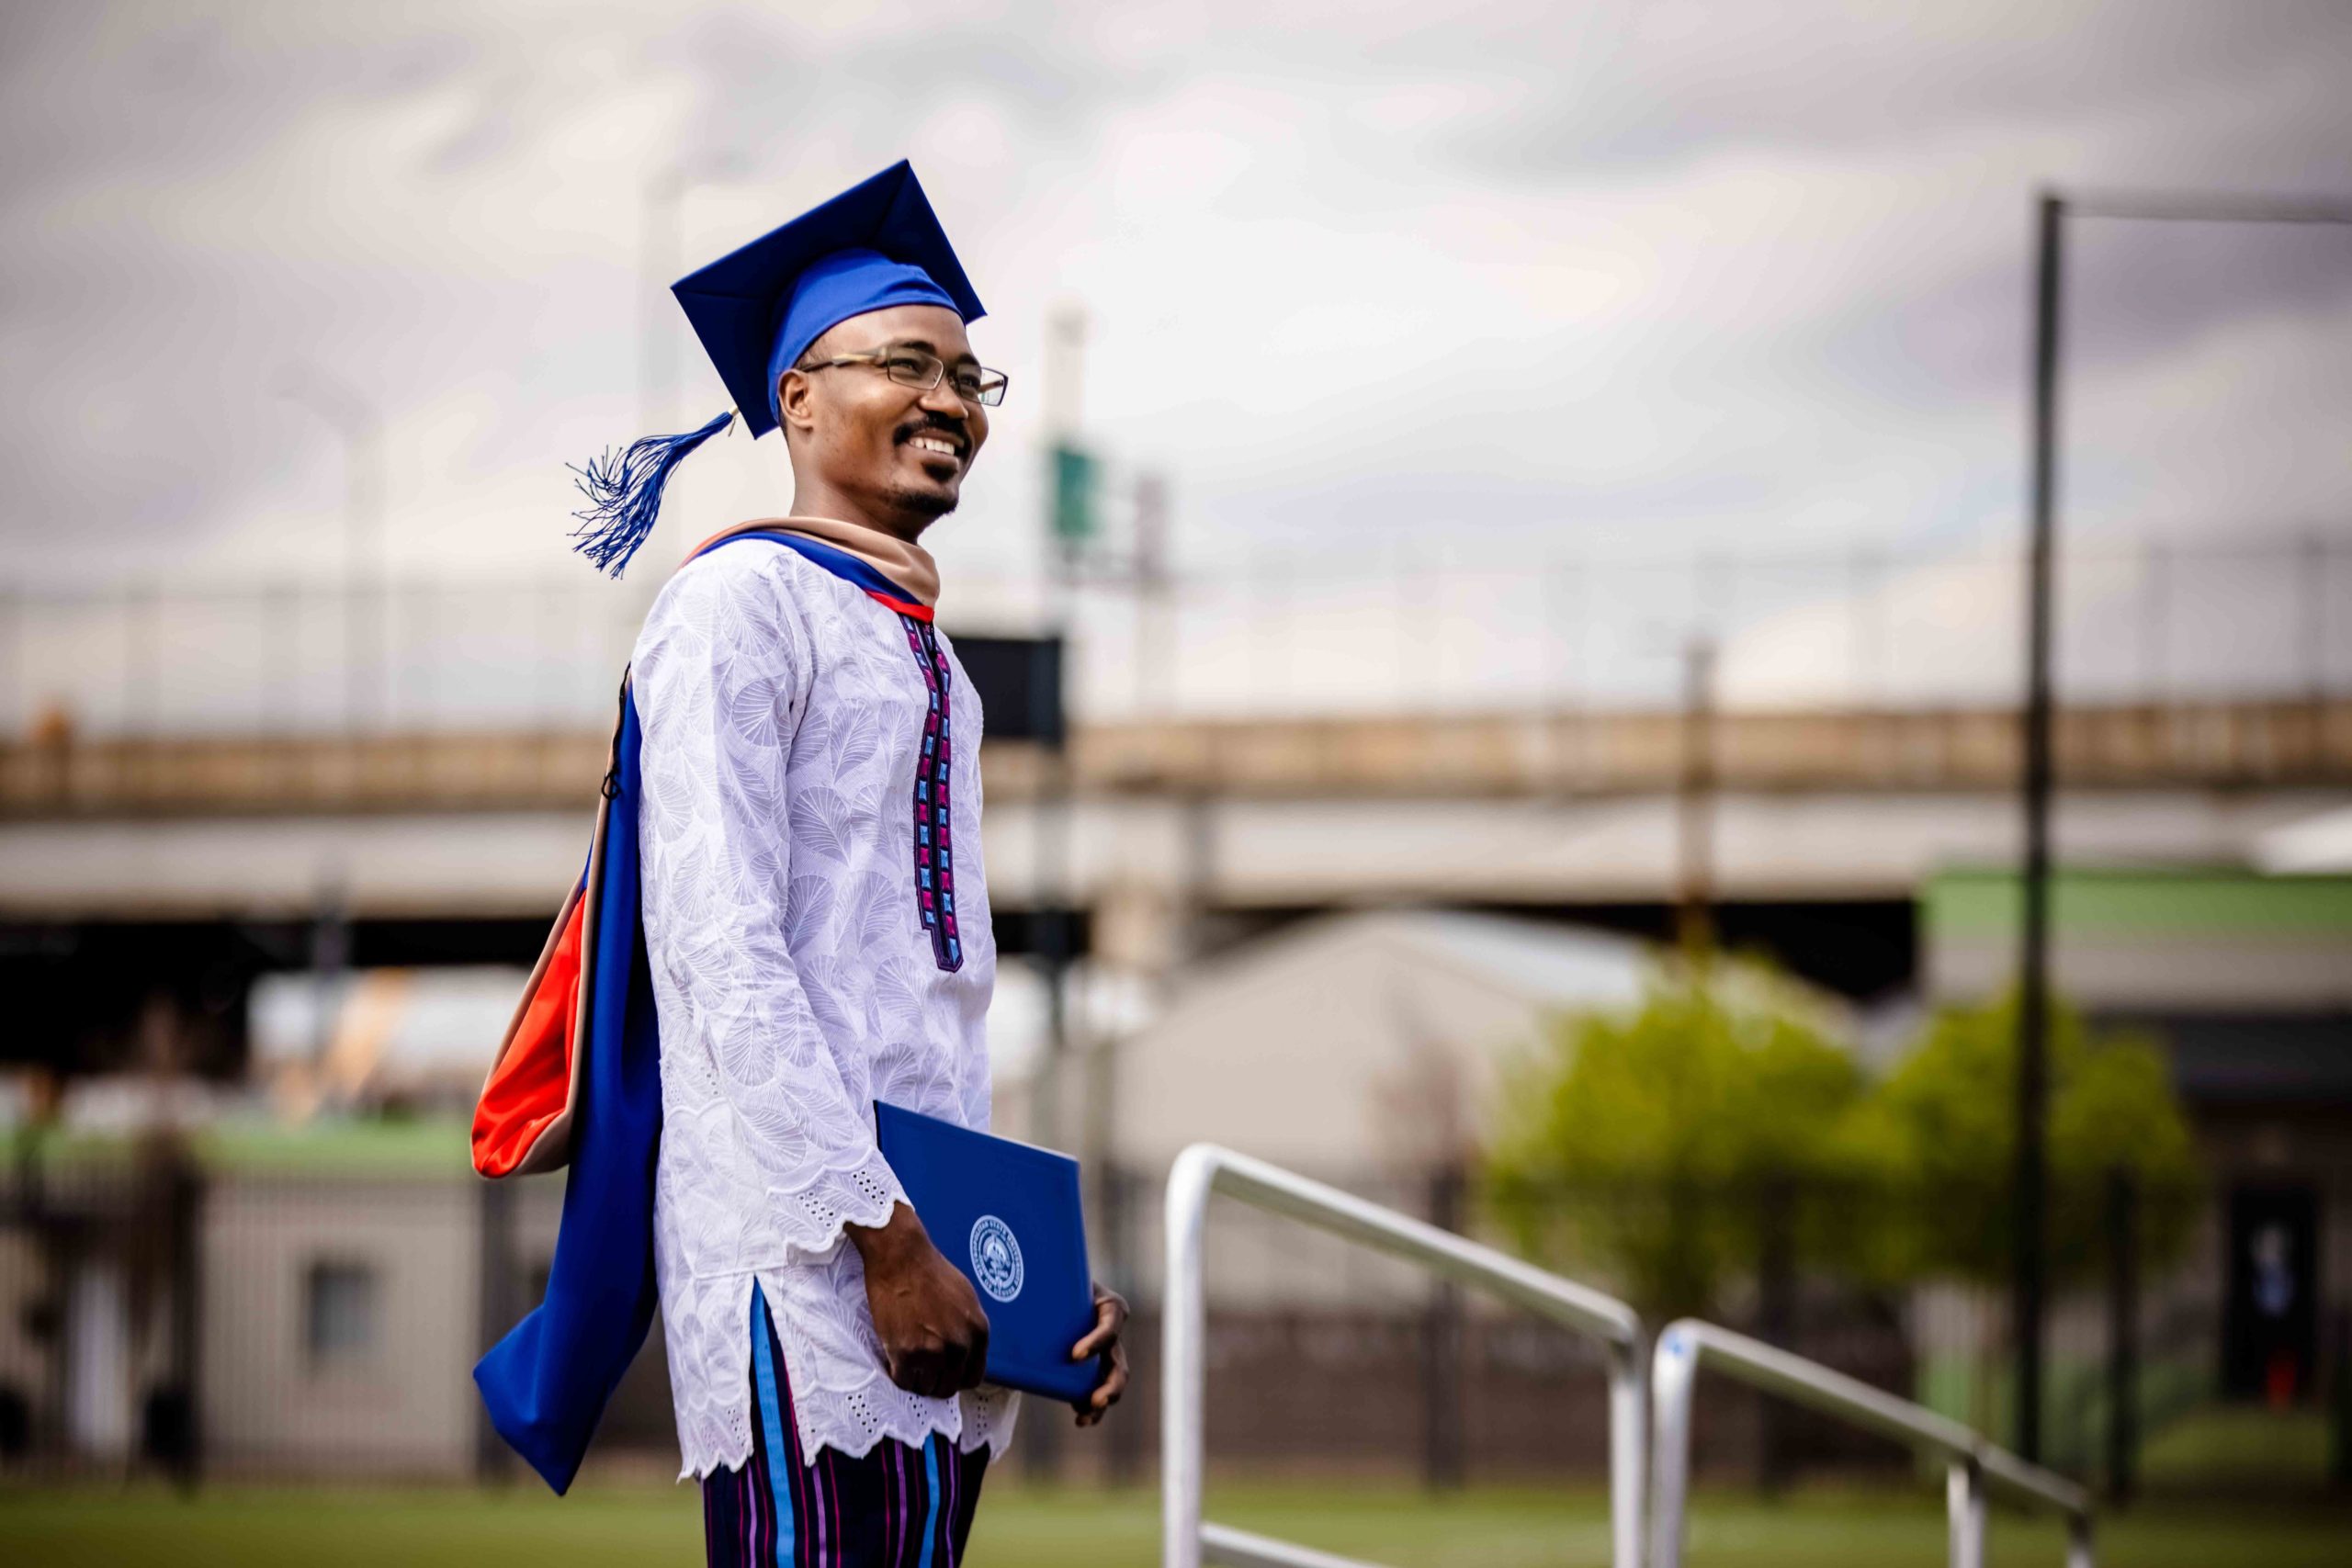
(795, 820)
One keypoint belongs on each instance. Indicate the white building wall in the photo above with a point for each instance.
(401, 1404)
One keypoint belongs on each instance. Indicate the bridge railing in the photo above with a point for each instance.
(2242, 615)
(1430, 757)
(1972, 1466)
(1203, 1170)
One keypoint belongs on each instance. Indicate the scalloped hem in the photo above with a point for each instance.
(873, 1215)
(997, 1441)
(997, 1438)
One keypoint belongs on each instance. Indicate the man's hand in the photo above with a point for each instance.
(1110, 1316)
(935, 1337)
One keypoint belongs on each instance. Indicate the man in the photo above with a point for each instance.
(815, 912)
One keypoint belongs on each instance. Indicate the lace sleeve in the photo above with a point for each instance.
(721, 680)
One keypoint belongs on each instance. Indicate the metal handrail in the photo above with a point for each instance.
(1204, 1170)
(1972, 1465)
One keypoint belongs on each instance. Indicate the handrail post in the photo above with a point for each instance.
(1673, 1372)
(1204, 1170)
(1628, 1451)
(1184, 1336)
(1964, 1502)
(1973, 1467)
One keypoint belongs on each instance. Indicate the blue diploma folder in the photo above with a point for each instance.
(1008, 1215)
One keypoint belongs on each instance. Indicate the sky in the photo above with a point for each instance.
(1509, 282)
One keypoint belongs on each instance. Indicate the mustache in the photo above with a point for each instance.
(926, 422)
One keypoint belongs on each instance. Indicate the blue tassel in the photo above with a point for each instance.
(624, 492)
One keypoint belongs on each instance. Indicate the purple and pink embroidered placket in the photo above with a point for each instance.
(935, 849)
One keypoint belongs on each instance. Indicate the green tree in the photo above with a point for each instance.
(1943, 1127)
(1647, 1141)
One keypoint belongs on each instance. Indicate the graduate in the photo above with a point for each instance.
(793, 821)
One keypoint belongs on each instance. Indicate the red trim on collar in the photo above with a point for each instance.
(904, 606)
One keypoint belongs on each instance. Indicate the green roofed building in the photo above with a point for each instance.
(2246, 981)
(2248, 977)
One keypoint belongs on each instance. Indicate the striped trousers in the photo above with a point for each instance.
(897, 1507)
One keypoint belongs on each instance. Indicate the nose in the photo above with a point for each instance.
(942, 398)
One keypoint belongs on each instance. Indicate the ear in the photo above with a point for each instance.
(795, 394)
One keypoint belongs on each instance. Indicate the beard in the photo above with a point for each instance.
(928, 504)
(924, 503)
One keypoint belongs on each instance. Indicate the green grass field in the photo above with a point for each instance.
(1030, 1527)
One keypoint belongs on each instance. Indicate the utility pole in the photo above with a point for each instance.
(329, 965)
(1065, 372)
(2031, 1173)
(1065, 350)
(2031, 1176)
(661, 216)
(366, 566)
(1694, 905)
(1065, 369)
(1155, 611)
(660, 250)
(661, 246)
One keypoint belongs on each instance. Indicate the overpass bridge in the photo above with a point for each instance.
(156, 877)
(426, 749)
(1535, 808)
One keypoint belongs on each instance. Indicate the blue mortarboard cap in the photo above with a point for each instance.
(757, 311)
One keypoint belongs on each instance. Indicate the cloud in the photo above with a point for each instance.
(1694, 277)
(1646, 86)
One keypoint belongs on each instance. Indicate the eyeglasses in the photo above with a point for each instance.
(923, 370)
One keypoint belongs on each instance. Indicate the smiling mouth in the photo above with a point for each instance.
(936, 446)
